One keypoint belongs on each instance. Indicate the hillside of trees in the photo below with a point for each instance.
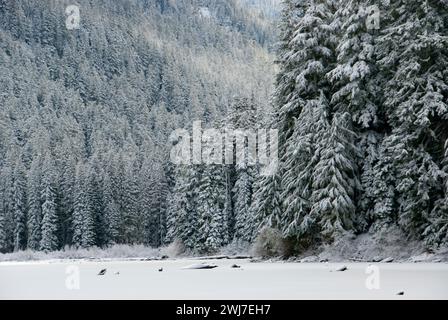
(361, 109)
(360, 106)
(85, 114)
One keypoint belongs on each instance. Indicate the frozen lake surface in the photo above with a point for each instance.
(143, 280)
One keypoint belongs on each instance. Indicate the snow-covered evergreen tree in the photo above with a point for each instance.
(67, 186)
(34, 204)
(49, 240)
(303, 91)
(243, 120)
(436, 232)
(152, 203)
(6, 203)
(171, 217)
(301, 155)
(386, 179)
(19, 200)
(217, 231)
(129, 202)
(335, 181)
(356, 87)
(111, 212)
(213, 232)
(412, 52)
(242, 196)
(185, 214)
(266, 205)
(95, 200)
(83, 219)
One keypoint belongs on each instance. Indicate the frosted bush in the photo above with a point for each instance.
(174, 249)
(117, 251)
(269, 243)
(236, 247)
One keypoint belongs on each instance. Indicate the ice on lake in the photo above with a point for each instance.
(263, 280)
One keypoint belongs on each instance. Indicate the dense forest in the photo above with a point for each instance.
(360, 104)
(86, 113)
(361, 108)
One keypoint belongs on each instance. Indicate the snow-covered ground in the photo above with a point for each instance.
(263, 280)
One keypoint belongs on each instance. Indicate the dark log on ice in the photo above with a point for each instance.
(200, 266)
(240, 257)
(222, 257)
(211, 258)
(343, 268)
